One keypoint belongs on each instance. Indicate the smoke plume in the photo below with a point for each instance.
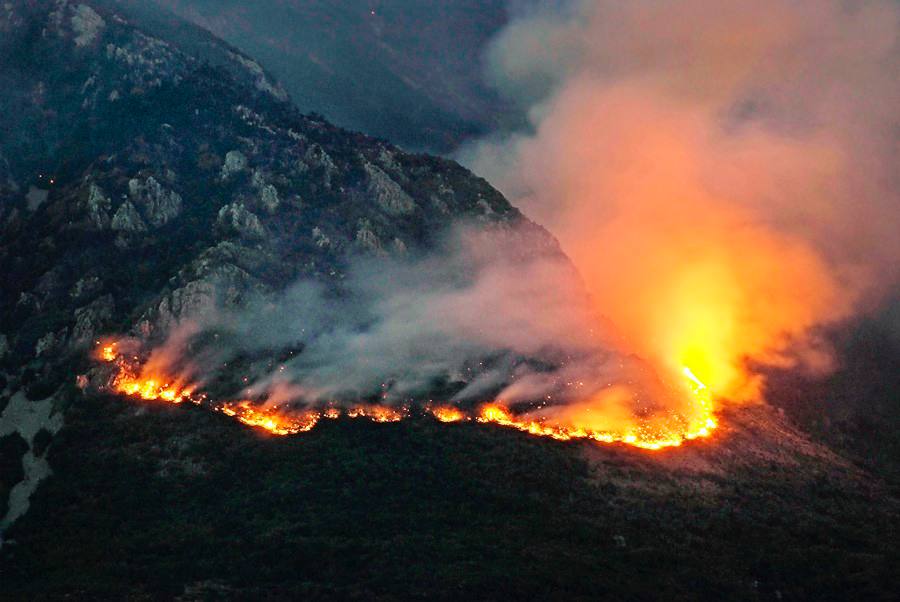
(493, 314)
(723, 175)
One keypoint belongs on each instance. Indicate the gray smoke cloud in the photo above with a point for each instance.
(494, 313)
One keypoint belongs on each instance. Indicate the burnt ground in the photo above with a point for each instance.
(155, 502)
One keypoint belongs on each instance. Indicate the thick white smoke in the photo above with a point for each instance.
(494, 312)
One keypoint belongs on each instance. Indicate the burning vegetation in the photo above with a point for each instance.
(147, 381)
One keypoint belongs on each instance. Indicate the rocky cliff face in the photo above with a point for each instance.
(143, 179)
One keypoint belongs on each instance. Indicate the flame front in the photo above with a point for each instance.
(274, 420)
(140, 382)
(447, 413)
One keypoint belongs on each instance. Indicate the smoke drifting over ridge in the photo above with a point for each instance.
(724, 177)
(492, 314)
(410, 321)
(495, 314)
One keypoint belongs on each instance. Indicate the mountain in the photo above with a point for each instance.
(146, 178)
(166, 166)
(410, 71)
(149, 171)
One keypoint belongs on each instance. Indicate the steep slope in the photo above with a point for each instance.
(145, 158)
(142, 180)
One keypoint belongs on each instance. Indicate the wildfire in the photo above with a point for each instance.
(447, 413)
(142, 383)
(136, 381)
(273, 420)
(377, 413)
(645, 436)
(108, 353)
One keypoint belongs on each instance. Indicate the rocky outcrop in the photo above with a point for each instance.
(182, 184)
(160, 206)
(387, 193)
(224, 286)
(127, 219)
(262, 81)
(235, 162)
(86, 25)
(366, 239)
(316, 158)
(268, 194)
(92, 319)
(236, 219)
(85, 288)
(320, 239)
(51, 343)
(98, 207)
(146, 62)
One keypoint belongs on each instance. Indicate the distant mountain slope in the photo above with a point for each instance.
(406, 70)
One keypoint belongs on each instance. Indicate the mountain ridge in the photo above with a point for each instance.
(141, 184)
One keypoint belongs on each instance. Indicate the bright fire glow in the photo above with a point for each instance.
(144, 383)
(273, 420)
(447, 413)
(653, 433)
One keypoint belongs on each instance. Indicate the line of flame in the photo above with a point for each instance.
(280, 420)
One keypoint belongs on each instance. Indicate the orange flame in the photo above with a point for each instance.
(108, 353)
(651, 434)
(648, 435)
(447, 413)
(143, 384)
(377, 413)
(273, 420)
